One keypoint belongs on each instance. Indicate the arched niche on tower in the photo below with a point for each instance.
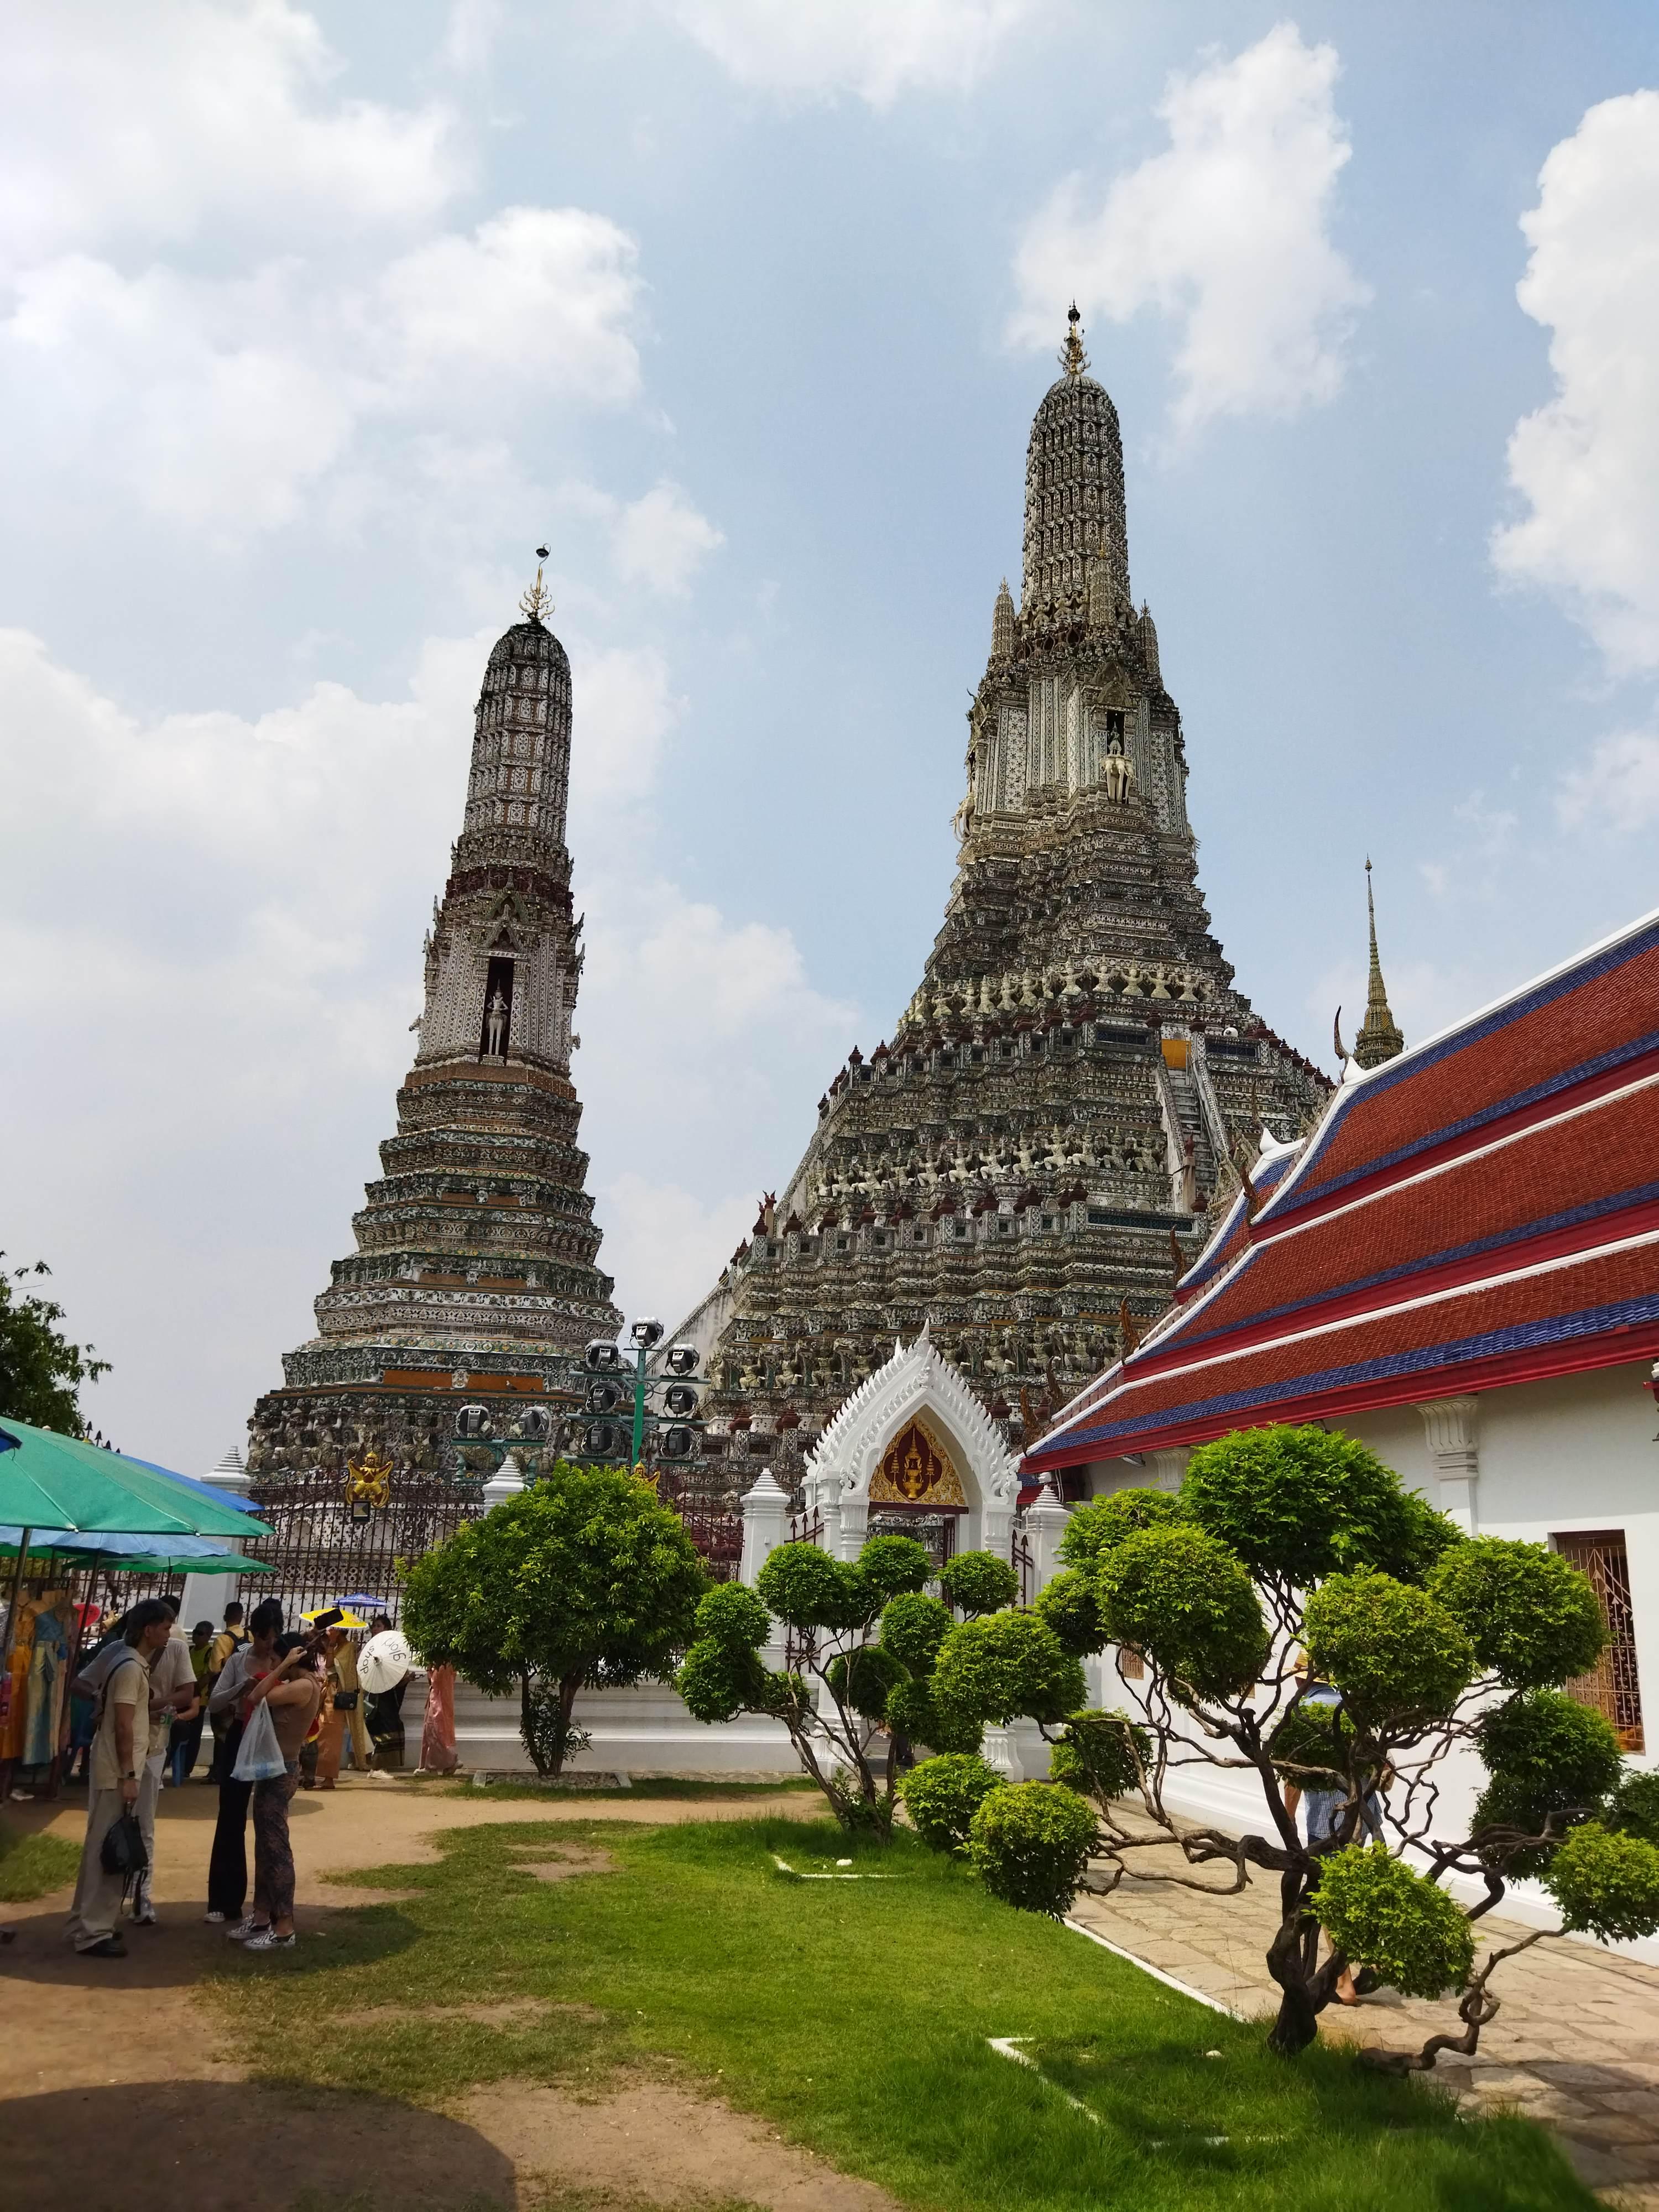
(912, 1439)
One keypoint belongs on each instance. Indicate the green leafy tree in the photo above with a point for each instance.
(583, 1578)
(852, 1695)
(1304, 1618)
(41, 1371)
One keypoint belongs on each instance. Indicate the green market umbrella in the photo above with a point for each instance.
(189, 1563)
(53, 1481)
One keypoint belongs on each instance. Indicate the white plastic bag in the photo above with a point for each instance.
(259, 1756)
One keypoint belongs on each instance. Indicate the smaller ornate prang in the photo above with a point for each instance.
(1073, 358)
(1379, 1037)
(537, 602)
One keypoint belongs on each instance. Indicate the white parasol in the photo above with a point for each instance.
(383, 1661)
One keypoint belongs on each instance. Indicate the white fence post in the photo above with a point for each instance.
(1045, 1520)
(765, 1525)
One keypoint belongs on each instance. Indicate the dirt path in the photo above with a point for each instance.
(118, 2093)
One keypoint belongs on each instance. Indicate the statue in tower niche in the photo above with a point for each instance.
(442, 1304)
(1117, 771)
(1022, 1149)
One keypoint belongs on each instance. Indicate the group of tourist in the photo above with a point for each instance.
(291, 1694)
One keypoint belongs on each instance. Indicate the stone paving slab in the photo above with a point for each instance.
(1575, 2043)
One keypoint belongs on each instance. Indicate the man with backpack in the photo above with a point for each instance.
(120, 1746)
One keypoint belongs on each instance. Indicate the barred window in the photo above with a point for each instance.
(1611, 1687)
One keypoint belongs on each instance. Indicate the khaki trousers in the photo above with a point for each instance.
(97, 1906)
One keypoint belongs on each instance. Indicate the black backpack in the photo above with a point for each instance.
(123, 1849)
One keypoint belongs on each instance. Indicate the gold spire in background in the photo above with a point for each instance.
(537, 602)
(1072, 358)
(1379, 1037)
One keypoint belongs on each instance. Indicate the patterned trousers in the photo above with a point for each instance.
(273, 1855)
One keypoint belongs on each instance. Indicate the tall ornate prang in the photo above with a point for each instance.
(1380, 1036)
(474, 1277)
(1030, 1157)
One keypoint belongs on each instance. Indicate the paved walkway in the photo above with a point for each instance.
(1576, 2042)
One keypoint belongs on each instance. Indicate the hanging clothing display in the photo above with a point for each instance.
(13, 1730)
(48, 1679)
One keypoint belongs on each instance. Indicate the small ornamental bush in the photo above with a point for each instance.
(1635, 1808)
(865, 1679)
(1607, 1885)
(892, 1564)
(1100, 1755)
(1297, 1505)
(978, 1583)
(1070, 1607)
(942, 1796)
(1102, 1525)
(734, 1617)
(1550, 1742)
(1312, 1738)
(1548, 1756)
(917, 1716)
(1531, 1615)
(803, 1585)
(913, 1626)
(1177, 1593)
(718, 1681)
(1006, 1664)
(1031, 1845)
(1395, 1655)
(1405, 1928)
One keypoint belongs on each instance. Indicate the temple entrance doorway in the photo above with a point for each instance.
(937, 1531)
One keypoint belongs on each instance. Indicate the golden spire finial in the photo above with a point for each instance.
(1072, 358)
(537, 602)
(1379, 1038)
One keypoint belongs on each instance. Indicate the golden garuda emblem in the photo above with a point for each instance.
(916, 1470)
(368, 1480)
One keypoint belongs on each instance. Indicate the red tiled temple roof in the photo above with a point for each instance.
(1483, 1209)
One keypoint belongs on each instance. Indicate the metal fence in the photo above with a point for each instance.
(322, 1547)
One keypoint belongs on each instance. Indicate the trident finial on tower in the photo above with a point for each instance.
(537, 602)
(1072, 358)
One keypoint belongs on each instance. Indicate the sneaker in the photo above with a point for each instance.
(245, 1928)
(215, 1919)
(268, 1939)
(107, 1947)
(143, 1914)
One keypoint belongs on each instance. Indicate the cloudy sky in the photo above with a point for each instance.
(313, 322)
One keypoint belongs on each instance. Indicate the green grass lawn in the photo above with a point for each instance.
(666, 1785)
(33, 1866)
(856, 2014)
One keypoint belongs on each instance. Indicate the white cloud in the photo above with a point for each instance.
(1587, 463)
(1617, 789)
(220, 403)
(666, 1245)
(625, 710)
(1227, 233)
(662, 540)
(876, 49)
(161, 122)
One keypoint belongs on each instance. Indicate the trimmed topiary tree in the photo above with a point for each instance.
(1303, 1617)
(584, 1577)
(863, 1639)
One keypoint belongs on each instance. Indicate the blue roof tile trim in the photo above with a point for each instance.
(1562, 1328)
